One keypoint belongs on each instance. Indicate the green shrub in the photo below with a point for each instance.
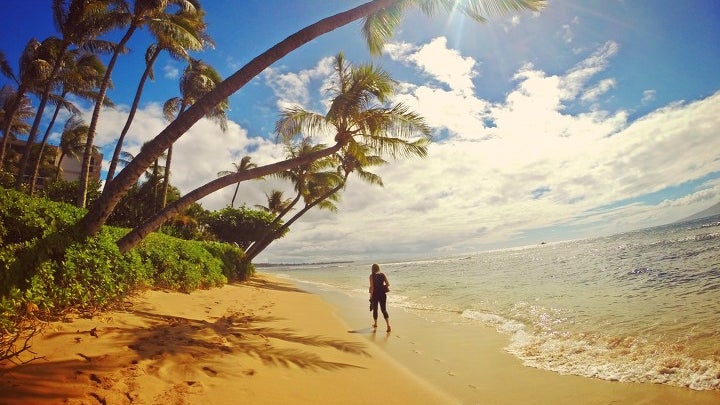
(234, 266)
(47, 266)
(179, 264)
(24, 218)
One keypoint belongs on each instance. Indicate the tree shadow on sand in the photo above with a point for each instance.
(236, 334)
(202, 346)
(270, 285)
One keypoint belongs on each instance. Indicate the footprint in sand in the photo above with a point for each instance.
(209, 371)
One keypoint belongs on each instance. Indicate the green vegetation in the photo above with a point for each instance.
(54, 257)
(46, 269)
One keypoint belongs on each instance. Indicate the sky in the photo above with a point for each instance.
(587, 119)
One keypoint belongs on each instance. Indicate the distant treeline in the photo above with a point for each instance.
(300, 264)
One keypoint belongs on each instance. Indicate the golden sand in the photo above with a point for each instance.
(267, 342)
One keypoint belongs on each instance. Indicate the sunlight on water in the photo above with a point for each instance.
(641, 306)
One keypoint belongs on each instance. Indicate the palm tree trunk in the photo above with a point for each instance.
(9, 118)
(36, 168)
(250, 255)
(166, 178)
(232, 202)
(168, 160)
(178, 207)
(277, 219)
(104, 205)
(130, 118)
(57, 175)
(87, 155)
(38, 117)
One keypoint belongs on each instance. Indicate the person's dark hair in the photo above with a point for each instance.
(375, 268)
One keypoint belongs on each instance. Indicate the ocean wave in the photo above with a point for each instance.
(624, 359)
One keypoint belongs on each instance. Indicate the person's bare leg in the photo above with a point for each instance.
(387, 321)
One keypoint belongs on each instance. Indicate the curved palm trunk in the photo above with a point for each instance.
(250, 255)
(131, 116)
(166, 178)
(9, 118)
(104, 205)
(36, 168)
(38, 117)
(57, 174)
(268, 233)
(168, 161)
(232, 202)
(87, 155)
(177, 207)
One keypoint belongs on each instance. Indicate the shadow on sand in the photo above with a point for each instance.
(196, 345)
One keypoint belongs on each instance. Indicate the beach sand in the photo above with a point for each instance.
(267, 342)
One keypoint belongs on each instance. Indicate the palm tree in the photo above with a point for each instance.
(198, 79)
(152, 14)
(243, 165)
(79, 22)
(381, 18)
(276, 203)
(23, 111)
(72, 140)
(5, 68)
(80, 77)
(191, 38)
(323, 191)
(32, 71)
(302, 176)
(356, 114)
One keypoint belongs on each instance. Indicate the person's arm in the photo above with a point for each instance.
(371, 285)
(386, 280)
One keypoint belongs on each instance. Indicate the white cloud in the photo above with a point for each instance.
(648, 96)
(500, 168)
(171, 72)
(537, 166)
(436, 60)
(198, 155)
(567, 33)
(293, 88)
(598, 90)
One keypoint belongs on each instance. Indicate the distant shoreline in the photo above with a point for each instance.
(300, 264)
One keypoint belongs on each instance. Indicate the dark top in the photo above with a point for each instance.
(378, 285)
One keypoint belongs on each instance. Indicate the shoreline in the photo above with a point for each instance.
(272, 340)
(263, 341)
(469, 362)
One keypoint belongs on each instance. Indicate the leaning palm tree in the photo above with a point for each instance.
(197, 80)
(323, 192)
(243, 165)
(177, 43)
(303, 177)
(358, 114)
(156, 16)
(381, 19)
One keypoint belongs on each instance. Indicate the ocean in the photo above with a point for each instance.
(641, 306)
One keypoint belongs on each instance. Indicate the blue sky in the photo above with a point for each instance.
(590, 118)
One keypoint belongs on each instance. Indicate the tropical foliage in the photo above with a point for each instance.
(55, 257)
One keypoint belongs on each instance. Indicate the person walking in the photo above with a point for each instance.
(379, 287)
